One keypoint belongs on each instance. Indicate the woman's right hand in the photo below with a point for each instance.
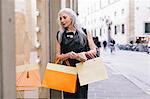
(72, 55)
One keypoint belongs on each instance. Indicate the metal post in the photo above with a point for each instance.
(109, 32)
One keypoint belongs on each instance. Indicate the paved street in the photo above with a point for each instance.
(122, 82)
(134, 65)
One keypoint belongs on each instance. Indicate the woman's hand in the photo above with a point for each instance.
(62, 56)
(72, 55)
(82, 56)
(91, 54)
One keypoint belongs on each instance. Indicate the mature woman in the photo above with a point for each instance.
(75, 44)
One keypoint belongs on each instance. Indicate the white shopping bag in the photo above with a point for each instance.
(91, 71)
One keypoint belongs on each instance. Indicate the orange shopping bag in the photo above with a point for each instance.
(28, 77)
(60, 77)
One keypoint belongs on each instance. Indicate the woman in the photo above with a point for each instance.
(73, 44)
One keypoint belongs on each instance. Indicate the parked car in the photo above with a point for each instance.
(148, 47)
(132, 47)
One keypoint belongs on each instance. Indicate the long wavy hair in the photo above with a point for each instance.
(74, 18)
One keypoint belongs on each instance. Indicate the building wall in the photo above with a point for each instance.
(7, 50)
(98, 12)
(117, 17)
(95, 13)
(142, 15)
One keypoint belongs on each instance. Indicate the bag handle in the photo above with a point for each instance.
(58, 60)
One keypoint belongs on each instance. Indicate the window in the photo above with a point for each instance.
(122, 28)
(111, 1)
(104, 3)
(115, 29)
(137, 8)
(94, 32)
(115, 13)
(122, 11)
(147, 27)
(100, 32)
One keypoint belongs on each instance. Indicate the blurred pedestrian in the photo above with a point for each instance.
(112, 45)
(148, 47)
(104, 44)
(97, 42)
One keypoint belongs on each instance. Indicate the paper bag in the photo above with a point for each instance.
(27, 77)
(60, 77)
(91, 71)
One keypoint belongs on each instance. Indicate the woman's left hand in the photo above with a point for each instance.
(91, 54)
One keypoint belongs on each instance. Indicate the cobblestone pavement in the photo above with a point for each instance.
(116, 87)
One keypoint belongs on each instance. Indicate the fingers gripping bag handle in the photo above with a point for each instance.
(58, 60)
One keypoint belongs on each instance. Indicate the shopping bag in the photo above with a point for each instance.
(27, 77)
(60, 77)
(91, 71)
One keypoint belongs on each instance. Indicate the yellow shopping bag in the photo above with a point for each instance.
(91, 71)
(27, 77)
(60, 77)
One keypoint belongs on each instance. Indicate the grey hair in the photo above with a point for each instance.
(75, 21)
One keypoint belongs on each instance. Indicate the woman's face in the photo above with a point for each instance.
(65, 20)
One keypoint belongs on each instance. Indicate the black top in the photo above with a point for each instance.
(76, 42)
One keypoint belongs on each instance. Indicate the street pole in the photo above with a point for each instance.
(109, 23)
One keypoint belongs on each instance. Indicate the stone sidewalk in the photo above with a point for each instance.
(116, 87)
